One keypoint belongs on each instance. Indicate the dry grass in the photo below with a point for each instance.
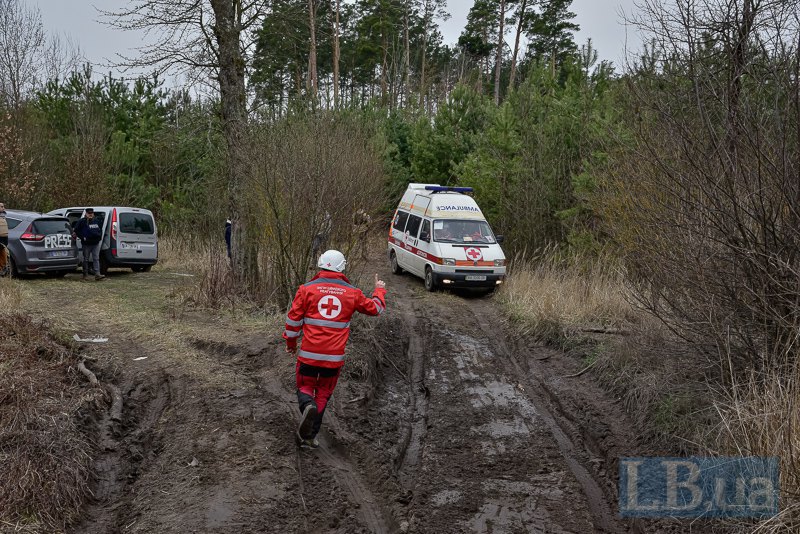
(187, 256)
(761, 417)
(10, 294)
(565, 301)
(553, 296)
(213, 285)
(45, 455)
(663, 382)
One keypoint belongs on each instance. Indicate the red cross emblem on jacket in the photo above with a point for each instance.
(321, 312)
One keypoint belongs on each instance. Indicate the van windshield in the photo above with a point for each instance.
(458, 231)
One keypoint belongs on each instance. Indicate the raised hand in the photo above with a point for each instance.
(379, 283)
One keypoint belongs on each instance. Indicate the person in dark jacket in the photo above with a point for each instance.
(228, 236)
(3, 240)
(90, 232)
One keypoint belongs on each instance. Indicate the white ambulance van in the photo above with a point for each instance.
(440, 234)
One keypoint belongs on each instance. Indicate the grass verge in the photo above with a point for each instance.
(45, 454)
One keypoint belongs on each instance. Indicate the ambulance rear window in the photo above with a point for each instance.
(413, 225)
(400, 221)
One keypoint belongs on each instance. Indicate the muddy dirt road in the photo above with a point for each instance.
(442, 422)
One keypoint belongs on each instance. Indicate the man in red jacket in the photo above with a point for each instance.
(321, 312)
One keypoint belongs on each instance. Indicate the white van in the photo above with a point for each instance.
(440, 234)
(130, 236)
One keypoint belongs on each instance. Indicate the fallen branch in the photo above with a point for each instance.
(116, 404)
(87, 373)
(579, 373)
(611, 331)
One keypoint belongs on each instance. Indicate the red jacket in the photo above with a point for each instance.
(321, 312)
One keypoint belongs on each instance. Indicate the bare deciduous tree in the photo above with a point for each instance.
(28, 56)
(711, 189)
(334, 166)
(207, 38)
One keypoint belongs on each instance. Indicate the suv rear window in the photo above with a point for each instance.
(51, 226)
(136, 223)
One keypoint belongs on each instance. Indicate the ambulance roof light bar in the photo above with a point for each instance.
(442, 189)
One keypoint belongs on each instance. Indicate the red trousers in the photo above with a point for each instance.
(315, 384)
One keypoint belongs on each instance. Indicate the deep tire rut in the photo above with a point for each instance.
(122, 448)
(335, 458)
(416, 428)
(597, 500)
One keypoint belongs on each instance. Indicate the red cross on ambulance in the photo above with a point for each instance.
(474, 254)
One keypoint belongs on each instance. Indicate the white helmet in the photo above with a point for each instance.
(332, 260)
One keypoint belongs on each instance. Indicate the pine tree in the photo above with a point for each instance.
(550, 32)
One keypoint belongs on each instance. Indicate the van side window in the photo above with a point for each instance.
(400, 221)
(425, 233)
(413, 225)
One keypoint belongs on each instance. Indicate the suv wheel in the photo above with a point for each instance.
(11, 267)
(430, 283)
(396, 269)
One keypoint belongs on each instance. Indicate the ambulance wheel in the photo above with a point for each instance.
(396, 269)
(430, 283)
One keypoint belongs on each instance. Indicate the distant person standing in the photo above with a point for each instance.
(228, 229)
(88, 230)
(361, 223)
(3, 240)
(320, 240)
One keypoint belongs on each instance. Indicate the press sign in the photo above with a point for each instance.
(57, 241)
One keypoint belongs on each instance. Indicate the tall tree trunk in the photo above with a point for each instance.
(336, 55)
(499, 58)
(520, 24)
(384, 69)
(422, 81)
(233, 100)
(406, 60)
(312, 53)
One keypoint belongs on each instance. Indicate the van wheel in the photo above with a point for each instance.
(430, 283)
(396, 269)
(103, 265)
(142, 268)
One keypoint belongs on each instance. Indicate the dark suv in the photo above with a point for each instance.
(40, 243)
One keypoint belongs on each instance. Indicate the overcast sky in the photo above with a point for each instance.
(599, 20)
